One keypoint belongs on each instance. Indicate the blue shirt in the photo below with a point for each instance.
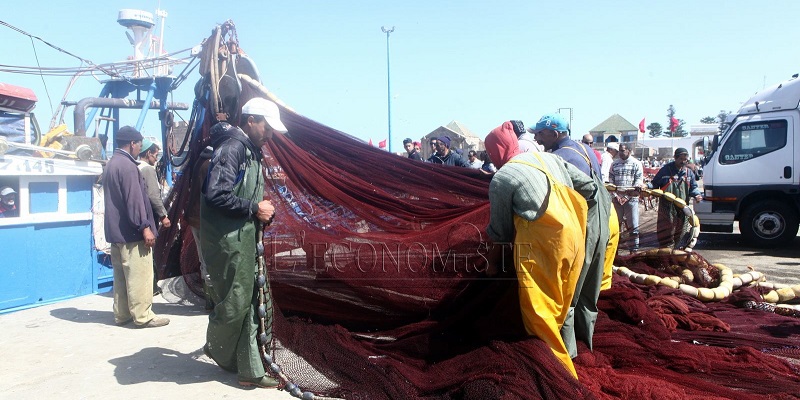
(578, 155)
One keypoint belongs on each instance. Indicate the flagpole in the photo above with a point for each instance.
(388, 86)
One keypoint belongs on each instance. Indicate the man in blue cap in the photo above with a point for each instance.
(552, 132)
(131, 231)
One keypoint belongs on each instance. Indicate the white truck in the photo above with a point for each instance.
(751, 171)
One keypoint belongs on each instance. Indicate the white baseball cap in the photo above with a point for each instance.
(268, 110)
(6, 191)
(613, 146)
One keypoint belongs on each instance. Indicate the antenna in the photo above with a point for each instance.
(140, 23)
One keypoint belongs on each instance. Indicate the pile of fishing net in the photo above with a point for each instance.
(376, 268)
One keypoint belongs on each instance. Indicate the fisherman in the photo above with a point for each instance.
(444, 155)
(537, 199)
(131, 231)
(627, 173)
(147, 161)
(232, 213)
(677, 178)
(552, 131)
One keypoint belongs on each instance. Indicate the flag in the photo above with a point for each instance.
(641, 125)
(370, 142)
(673, 124)
(382, 144)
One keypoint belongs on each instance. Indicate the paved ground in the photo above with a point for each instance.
(73, 350)
(781, 265)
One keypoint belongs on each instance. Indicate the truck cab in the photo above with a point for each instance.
(751, 170)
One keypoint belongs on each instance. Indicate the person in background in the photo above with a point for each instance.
(526, 141)
(131, 231)
(487, 167)
(678, 178)
(232, 214)
(443, 155)
(434, 142)
(8, 203)
(147, 161)
(418, 148)
(474, 162)
(627, 174)
(538, 200)
(612, 148)
(588, 140)
(411, 150)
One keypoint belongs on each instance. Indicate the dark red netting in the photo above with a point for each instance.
(375, 263)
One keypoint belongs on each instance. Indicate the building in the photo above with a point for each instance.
(614, 129)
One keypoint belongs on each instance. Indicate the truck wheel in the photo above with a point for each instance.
(769, 224)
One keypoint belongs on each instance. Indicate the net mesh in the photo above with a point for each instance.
(375, 263)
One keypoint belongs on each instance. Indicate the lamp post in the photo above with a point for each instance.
(388, 85)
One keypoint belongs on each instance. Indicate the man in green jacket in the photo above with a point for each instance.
(232, 211)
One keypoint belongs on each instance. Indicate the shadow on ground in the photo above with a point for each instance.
(157, 364)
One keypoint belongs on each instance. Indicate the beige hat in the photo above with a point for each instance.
(268, 110)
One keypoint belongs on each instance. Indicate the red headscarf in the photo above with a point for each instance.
(502, 144)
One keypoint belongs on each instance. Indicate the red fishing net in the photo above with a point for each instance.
(375, 263)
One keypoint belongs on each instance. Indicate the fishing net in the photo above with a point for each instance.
(376, 264)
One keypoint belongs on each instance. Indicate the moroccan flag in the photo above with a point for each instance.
(641, 125)
(382, 144)
(370, 142)
(673, 124)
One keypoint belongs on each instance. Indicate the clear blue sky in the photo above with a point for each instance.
(477, 62)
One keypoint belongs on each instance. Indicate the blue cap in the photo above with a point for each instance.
(553, 122)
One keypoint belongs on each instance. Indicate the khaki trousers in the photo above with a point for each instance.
(133, 282)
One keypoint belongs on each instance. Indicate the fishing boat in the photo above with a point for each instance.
(53, 241)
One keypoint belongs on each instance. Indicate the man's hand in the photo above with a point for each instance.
(698, 198)
(165, 222)
(265, 211)
(149, 238)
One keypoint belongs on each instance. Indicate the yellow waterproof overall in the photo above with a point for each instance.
(548, 257)
(611, 249)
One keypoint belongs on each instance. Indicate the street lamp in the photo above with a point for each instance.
(388, 85)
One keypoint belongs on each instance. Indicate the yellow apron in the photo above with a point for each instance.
(611, 249)
(548, 257)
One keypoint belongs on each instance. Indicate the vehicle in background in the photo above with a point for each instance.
(750, 170)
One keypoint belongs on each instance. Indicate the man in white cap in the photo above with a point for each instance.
(232, 211)
(131, 231)
(8, 203)
(612, 148)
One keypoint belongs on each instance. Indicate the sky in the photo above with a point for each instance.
(476, 62)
